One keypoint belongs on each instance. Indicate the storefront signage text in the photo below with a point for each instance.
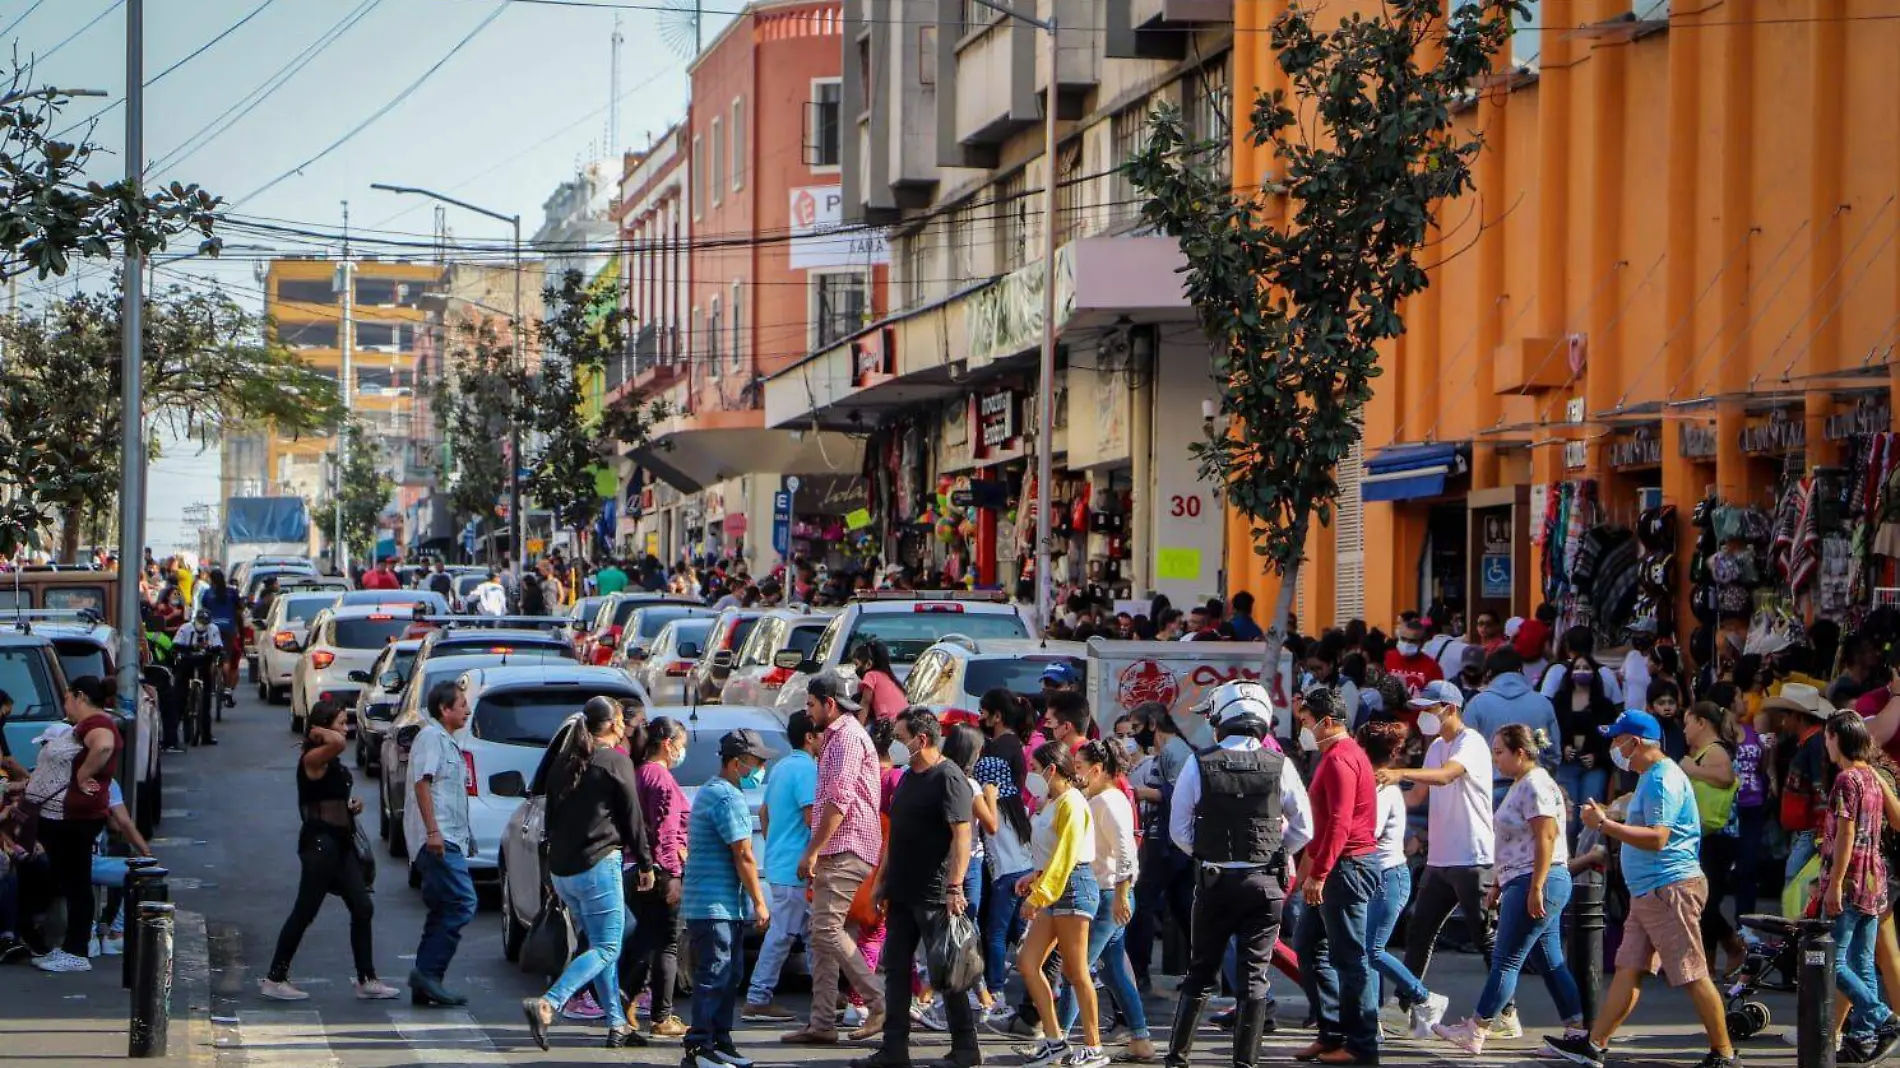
(996, 414)
(1865, 417)
(1778, 434)
(1576, 453)
(1698, 443)
(871, 356)
(1642, 448)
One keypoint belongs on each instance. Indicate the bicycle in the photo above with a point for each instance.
(198, 714)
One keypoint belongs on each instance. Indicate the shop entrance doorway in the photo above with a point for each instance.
(1443, 573)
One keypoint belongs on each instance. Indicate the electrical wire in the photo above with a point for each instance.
(116, 5)
(160, 76)
(24, 15)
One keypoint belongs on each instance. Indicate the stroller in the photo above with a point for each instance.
(1773, 953)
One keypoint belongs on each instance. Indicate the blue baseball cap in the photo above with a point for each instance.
(1636, 724)
(1062, 673)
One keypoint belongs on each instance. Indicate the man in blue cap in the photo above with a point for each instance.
(1060, 676)
(1661, 843)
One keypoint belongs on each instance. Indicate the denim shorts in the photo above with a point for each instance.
(1082, 897)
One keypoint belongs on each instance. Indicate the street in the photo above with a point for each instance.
(229, 839)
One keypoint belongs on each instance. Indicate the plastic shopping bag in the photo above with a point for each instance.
(953, 951)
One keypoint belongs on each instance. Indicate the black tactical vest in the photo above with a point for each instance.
(1238, 817)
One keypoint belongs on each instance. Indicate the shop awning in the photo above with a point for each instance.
(1409, 472)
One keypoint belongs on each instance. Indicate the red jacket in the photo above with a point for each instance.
(1344, 796)
(382, 579)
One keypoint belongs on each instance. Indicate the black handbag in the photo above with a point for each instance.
(550, 942)
(365, 853)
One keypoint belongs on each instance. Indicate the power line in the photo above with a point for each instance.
(116, 4)
(24, 15)
(160, 76)
(384, 110)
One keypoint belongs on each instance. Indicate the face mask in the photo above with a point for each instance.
(1145, 740)
(1621, 761)
(1429, 724)
(1308, 740)
(1036, 786)
(1408, 648)
(753, 779)
(899, 753)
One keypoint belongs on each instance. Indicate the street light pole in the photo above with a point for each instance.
(131, 372)
(1046, 366)
(516, 546)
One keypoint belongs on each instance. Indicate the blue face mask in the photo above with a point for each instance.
(753, 779)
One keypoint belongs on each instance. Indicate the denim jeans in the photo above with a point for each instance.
(1801, 849)
(1334, 966)
(716, 945)
(1855, 933)
(790, 915)
(1582, 784)
(1521, 938)
(1000, 922)
(1752, 823)
(595, 900)
(449, 893)
(1106, 938)
(1382, 917)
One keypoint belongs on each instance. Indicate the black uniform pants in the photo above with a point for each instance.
(1440, 890)
(1229, 904)
(903, 931)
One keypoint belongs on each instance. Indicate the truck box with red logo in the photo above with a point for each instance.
(1123, 675)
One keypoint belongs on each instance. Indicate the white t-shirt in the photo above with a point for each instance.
(1006, 853)
(1532, 796)
(1114, 838)
(1636, 677)
(1460, 814)
(1391, 816)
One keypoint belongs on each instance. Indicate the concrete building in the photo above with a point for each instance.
(577, 227)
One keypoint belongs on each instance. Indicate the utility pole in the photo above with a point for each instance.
(346, 280)
(131, 371)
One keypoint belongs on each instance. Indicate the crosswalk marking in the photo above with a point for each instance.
(301, 1038)
(284, 1038)
(440, 1037)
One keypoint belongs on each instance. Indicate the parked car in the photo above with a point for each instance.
(755, 679)
(257, 632)
(603, 638)
(431, 602)
(522, 871)
(376, 708)
(580, 619)
(464, 585)
(514, 712)
(342, 641)
(412, 711)
(644, 626)
(950, 677)
(666, 669)
(282, 633)
(907, 623)
(721, 650)
(503, 635)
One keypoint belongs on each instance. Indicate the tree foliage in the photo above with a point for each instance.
(365, 491)
(473, 404)
(1365, 152)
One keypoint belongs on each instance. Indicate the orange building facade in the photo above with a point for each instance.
(1677, 277)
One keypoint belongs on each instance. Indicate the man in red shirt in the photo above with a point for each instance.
(1408, 660)
(1338, 875)
(382, 578)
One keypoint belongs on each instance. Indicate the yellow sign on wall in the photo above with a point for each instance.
(1178, 564)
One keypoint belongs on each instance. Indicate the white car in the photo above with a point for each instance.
(950, 677)
(281, 637)
(522, 874)
(376, 708)
(667, 668)
(754, 678)
(342, 641)
(907, 623)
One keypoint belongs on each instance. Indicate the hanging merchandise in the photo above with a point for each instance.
(1775, 626)
(1656, 585)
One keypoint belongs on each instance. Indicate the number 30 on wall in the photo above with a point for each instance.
(1184, 506)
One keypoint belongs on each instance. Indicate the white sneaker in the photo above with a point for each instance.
(934, 1018)
(112, 945)
(1430, 1013)
(1506, 1025)
(61, 961)
(375, 990)
(281, 991)
(854, 1017)
(1086, 1057)
(1048, 1053)
(1467, 1035)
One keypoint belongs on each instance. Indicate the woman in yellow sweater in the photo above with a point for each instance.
(1060, 897)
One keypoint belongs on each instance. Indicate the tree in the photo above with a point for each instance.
(364, 491)
(207, 366)
(473, 403)
(1366, 154)
(583, 332)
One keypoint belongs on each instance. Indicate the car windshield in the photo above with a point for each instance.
(908, 634)
(24, 677)
(504, 647)
(70, 598)
(368, 632)
(80, 658)
(528, 717)
(305, 609)
(702, 757)
(741, 630)
(587, 609)
(653, 620)
(624, 608)
(692, 632)
(1017, 674)
(400, 662)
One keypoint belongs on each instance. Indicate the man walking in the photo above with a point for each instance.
(1661, 845)
(844, 847)
(721, 875)
(436, 825)
(785, 820)
(921, 880)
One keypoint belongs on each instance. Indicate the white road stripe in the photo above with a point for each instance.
(284, 1038)
(446, 1037)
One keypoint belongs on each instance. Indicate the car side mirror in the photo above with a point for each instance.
(723, 660)
(789, 659)
(359, 676)
(507, 784)
(689, 651)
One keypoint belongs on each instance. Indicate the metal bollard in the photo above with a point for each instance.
(143, 883)
(1584, 946)
(1814, 1003)
(152, 990)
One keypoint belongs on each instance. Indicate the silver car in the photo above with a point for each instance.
(754, 679)
(667, 669)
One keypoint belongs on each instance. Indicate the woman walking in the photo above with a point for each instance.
(70, 791)
(1060, 898)
(326, 850)
(1533, 886)
(654, 950)
(1001, 773)
(1385, 743)
(1708, 732)
(594, 829)
(1114, 868)
(1853, 887)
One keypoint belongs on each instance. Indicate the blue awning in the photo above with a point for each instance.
(1409, 472)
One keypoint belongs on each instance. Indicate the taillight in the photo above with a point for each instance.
(468, 762)
(284, 639)
(322, 658)
(679, 667)
(776, 677)
(953, 716)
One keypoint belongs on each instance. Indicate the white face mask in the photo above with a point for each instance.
(1621, 761)
(1429, 724)
(1036, 786)
(899, 753)
(1408, 648)
(1308, 740)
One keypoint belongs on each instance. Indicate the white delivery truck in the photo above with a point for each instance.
(1123, 675)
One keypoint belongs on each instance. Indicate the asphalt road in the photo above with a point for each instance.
(229, 840)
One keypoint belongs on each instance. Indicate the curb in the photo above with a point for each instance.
(189, 1039)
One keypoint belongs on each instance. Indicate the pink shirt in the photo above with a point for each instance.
(882, 695)
(848, 781)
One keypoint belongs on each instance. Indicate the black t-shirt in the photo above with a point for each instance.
(923, 809)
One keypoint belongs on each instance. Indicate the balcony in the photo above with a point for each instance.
(1151, 29)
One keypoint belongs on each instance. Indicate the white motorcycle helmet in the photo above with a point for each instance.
(1238, 708)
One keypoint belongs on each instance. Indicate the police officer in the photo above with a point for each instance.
(1239, 810)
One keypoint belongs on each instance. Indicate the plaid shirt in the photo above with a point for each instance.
(848, 782)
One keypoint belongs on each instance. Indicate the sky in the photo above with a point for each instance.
(504, 120)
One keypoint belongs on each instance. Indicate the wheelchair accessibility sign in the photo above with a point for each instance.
(1494, 576)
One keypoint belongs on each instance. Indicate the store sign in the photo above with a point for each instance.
(1865, 417)
(1576, 453)
(873, 356)
(1779, 433)
(1006, 318)
(1642, 448)
(996, 418)
(820, 240)
(1698, 442)
(782, 522)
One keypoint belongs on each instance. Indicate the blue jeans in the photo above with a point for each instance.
(1855, 933)
(1801, 849)
(449, 893)
(594, 899)
(1382, 917)
(1334, 967)
(1000, 922)
(715, 946)
(1106, 938)
(1522, 938)
(1752, 823)
(1582, 784)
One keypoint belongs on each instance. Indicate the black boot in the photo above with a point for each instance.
(1248, 1027)
(1187, 1017)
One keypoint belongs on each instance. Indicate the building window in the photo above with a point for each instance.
(309, 335)
(738, 144)
(838, 307)
(376, 335)
(307, 291)
(824, 125)
(696, 343)
(738, 326)
(1011, 210)
(963, 259)
(1069, 188)
(1125, 139)
(714, 323)
(916, 269)
(718, 177)
(1209, 112)
(699, 177)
